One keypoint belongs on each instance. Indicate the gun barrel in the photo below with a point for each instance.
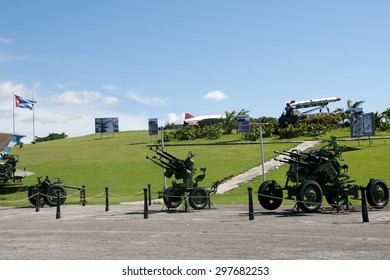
(164, 154)
(158, 163)
(292, 154)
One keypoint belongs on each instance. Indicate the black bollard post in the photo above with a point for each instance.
(364, 205)
(183, 197)
(251, 212)
(82, 194)
(150, 194)
(146, 209)
(37, 202)
(107, 203)
(58, 212)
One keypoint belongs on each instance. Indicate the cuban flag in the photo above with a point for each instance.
(23, 102)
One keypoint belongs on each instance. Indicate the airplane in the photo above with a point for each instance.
(200, 120)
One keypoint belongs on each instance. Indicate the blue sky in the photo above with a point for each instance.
(159, 59)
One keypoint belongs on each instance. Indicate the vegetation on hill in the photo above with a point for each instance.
(51, 137)
(306, 125)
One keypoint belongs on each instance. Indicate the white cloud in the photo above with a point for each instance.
(77, 97)
(56, 118)
(5, 40)
(52, 118)
(173, 118)
(7, 89)
(111, 88)
(215, 95)
(111, 100)
(151, 101)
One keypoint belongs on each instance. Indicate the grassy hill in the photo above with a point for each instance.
(118, 161)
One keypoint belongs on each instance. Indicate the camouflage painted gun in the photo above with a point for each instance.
(184, 170)
(317, 174)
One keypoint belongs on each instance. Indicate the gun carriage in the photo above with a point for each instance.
(11, 182)
(184, 170)
(312, 176)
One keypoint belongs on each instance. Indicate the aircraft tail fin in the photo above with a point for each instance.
(188, 116)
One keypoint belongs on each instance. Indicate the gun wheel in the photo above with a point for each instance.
(270, 195)
(199, 198)
(172, 198)
(377, 194)
(51, 195)
(309, 196)
(336, 201)
(33, 199)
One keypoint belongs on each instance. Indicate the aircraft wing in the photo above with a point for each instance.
(8, 141)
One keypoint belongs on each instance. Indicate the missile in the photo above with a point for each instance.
(312, 102)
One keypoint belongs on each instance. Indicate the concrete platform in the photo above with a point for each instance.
(223, 232)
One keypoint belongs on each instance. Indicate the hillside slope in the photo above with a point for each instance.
(118, 161)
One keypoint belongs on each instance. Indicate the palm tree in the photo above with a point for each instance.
(351, 105)
(378, 119)
(228, 123)
(231, 120)
(341, 115)
(386, 114)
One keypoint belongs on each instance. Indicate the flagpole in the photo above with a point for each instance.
(13, 113)
(33, 108)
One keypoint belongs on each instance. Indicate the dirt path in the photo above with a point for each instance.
(257, 171)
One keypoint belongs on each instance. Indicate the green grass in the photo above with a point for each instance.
(118, 161)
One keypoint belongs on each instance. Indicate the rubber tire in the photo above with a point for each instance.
(172, 198)
(377, 193)
(199, 198)
(267, 189)
(32, 198)
(336, 200)
(51, 194)
(309, 196)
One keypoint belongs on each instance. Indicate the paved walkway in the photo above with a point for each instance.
(223, 232)
(257, 171)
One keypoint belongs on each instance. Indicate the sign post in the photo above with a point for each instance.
(262, 150)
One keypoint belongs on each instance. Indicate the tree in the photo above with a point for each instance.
(352, 105)
(378, 119)
(386, 114)
(342, 115)
(51, 137)
(231, 120)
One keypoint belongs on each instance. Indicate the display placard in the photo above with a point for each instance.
(362, 125)
(243, 123)
(153, 126)
(103, 125)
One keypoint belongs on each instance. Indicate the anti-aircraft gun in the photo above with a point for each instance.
(44, 192)
(317, 174)
(184, 170)
(11, 182)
